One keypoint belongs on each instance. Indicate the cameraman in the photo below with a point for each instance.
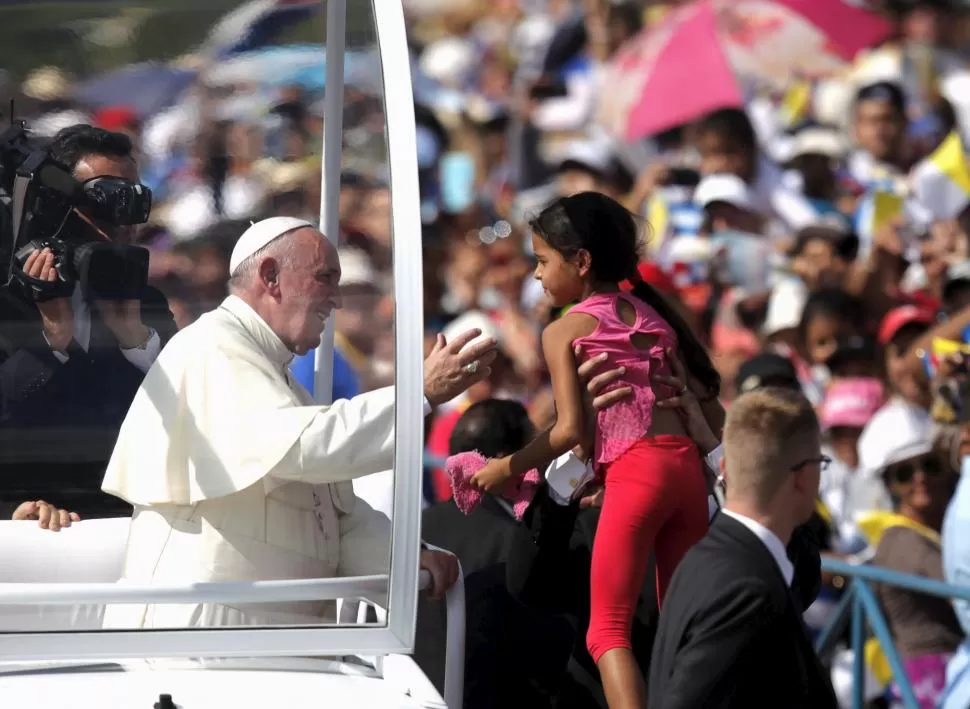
(69, 369)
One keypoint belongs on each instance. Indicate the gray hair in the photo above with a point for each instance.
(280, 248)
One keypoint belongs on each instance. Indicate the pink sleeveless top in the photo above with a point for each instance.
(621, 425)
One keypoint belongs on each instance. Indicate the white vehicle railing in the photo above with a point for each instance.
(356, 588)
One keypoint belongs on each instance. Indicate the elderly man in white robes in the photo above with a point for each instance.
(234, 473)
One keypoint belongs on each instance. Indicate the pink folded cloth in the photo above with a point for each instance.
(463, 466)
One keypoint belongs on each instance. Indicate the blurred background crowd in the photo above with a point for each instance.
(799, 168)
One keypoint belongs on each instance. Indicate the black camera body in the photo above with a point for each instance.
(105, 271)
(40, 199)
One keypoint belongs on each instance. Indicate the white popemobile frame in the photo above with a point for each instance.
(397, 635)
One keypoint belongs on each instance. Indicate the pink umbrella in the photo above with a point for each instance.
(691, 63)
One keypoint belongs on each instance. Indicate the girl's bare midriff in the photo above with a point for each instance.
(665, 422)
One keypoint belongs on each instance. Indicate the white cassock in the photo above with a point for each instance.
(235, 475)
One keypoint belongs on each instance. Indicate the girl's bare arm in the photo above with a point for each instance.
(568, 430)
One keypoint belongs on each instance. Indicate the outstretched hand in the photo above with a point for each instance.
(493, 476)
(452, 367)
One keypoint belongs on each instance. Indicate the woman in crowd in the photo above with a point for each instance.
(907, 539)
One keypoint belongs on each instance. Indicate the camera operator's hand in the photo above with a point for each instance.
(123, 318)
(56, 315)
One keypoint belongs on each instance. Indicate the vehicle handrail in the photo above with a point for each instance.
(879, 574)
(273, 591)
(859, 604)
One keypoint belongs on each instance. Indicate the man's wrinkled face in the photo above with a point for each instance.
(309, 290)
(91, 166)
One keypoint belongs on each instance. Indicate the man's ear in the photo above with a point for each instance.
(269, 275)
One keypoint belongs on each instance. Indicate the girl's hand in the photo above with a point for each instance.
(493, 476)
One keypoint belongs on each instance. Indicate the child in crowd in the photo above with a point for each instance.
(656, 494)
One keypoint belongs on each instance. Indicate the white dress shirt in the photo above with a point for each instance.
(771, 542)
(142, 357)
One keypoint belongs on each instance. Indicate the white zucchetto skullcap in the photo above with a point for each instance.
(261, 234)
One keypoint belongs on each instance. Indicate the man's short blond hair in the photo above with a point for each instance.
(768, 432)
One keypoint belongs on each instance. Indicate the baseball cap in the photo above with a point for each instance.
(654, 275)
(818, 141)
(472, 320)
(898, 318)
(898, 432)
(587, 154)
(116, 118)
(851, 402)
(854, 349)
(729, 189)
(957, 274)
(785, 306)
(766, 369)
(356, 268)
(842, 240)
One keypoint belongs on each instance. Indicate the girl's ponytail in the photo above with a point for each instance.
(699, 364)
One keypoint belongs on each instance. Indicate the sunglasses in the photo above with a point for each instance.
(822, 461)
(905, 472)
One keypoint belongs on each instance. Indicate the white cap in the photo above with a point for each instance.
(596, 154)
(449, 61)
(899, 431)
(472, 320)
(958, 272)
(785, 306)
(818, 141)
(730, 189)
(356, 268)
(260, 234)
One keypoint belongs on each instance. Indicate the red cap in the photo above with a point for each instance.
(116, 118)
(900, 317)
(654, 275)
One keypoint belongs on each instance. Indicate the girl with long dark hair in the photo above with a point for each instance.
(656, 493)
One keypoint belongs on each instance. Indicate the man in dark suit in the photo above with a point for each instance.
(69, 369)
(513, 657)
(730, 632)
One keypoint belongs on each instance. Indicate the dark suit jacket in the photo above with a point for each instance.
(513, 656)
(59, 422)
(731, 634)
(548, 570)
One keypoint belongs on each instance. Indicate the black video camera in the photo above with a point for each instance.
(39, 199)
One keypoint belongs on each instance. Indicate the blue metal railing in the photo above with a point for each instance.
(859, 604)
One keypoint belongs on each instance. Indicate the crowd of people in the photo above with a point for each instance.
(818, 245)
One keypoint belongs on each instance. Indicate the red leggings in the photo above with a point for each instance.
(655, 498)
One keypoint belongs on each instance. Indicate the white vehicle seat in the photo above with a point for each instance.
(91, 551)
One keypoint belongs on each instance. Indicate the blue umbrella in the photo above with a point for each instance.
(304, 64)
(145, 88)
